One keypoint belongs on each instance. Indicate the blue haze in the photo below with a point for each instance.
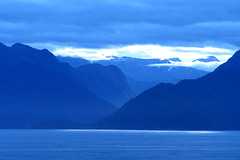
(118, 145)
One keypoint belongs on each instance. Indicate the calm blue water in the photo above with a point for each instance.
(118, 145)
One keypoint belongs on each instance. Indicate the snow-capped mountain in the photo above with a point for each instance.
(207, 59)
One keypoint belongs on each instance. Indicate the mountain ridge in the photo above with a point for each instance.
(207, 59)
(34, 88)
(207, 103)
(107, 82)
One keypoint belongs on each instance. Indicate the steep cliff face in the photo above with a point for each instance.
(107, 82)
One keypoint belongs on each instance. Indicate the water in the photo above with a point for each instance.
(118, 145)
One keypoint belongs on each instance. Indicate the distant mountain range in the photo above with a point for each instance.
(140, 75)
(208, 59)
(208, 103)
(37, 91)
(140, 69)
(35, 87)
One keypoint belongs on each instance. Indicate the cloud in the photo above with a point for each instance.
(90, 54)
(186, 54)
(97, 29)
(209, 67)
(118, 23)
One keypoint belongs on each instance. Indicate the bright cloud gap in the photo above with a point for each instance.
(185, 54)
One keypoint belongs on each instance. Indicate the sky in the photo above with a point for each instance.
(97, 29)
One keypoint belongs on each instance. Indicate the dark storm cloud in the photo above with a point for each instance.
(102, 23)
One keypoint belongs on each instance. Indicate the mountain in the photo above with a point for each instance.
(107, 82)
(18, 54)
(142, 74)
(35, 87)
(208, 103)
(139, 86)
(73, 61)
(141, 71)
(208, 59)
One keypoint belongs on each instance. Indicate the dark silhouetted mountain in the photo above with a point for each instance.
(19, 53)
(209, 103)
(140, 86)
(35, 87)
(208, 59)
(107, 82)
(232, 64)
(73, 61)
(139, 70)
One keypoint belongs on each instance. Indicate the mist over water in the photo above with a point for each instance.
(118, 145)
